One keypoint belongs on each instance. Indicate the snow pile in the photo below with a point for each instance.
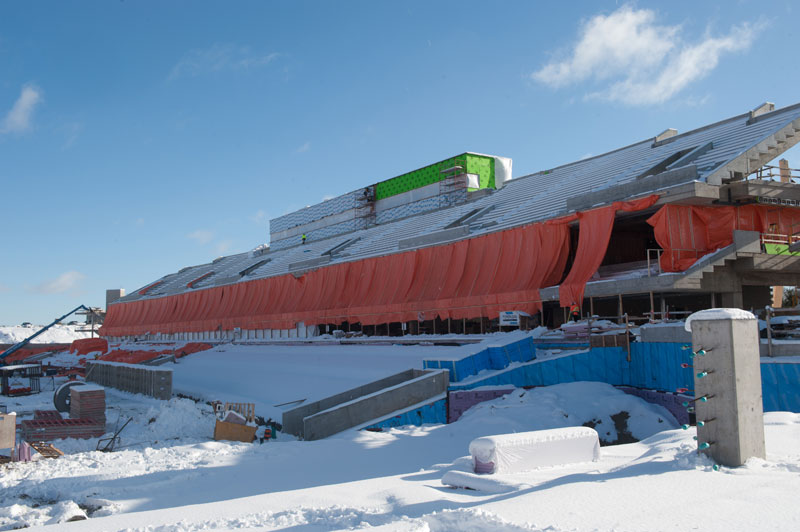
(57, 334)
(594, 404)
(168, 474)
(718, 314)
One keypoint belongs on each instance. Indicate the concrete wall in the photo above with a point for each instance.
(665, 333)
(293, 419)
(133, 378)
(373, 406)
(432, 413)
(462, 400)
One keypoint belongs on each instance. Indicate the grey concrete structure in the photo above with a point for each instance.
(357, 406)
(730, 423)
(133, 378)
(445, 235)
(113, 295)
(665, 333)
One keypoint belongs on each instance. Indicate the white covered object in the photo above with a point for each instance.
(502, 171)
(719, 314)
(510, 453)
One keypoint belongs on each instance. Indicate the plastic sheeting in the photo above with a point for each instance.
(687, 233)
(595, 233)
(466, 279)
(84, 346)
(523, 451)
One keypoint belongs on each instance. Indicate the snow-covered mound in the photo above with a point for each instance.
(57, 334)
(169, 475)
(594, 404)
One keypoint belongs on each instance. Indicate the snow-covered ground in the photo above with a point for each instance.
(57, 334)
(171, 476)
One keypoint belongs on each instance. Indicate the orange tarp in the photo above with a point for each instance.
(84, 346)
(595, 233)
(478, 277)
(687, 233)
(466, 279)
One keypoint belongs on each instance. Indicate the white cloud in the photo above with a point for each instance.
(201, 236)
(18, 119)
(259, 217)
(63, 283)
(223, 246)
(220, 58)
(4, 289)
(71, 133)
(638, 61)
(304, 148)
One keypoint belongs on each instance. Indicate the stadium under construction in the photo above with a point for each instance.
(672, 224)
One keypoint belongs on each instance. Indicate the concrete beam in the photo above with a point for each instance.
(309, 263)
(628, 190)
(757, 188)
(293, 419)
(374, 406)
(445, 235)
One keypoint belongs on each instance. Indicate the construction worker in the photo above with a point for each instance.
(575, 312)
(303, 238)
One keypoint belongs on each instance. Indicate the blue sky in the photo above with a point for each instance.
(140, 137)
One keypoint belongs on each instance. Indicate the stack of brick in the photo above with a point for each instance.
(88, 402)
(43, 430)
(47, 415)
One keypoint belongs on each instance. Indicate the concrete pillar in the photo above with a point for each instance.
(730, 423)
(786, 175)
(732, 299)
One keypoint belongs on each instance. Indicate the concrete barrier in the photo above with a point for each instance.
(134, 378)
(359, 405)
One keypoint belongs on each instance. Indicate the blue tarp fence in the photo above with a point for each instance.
(653, 366)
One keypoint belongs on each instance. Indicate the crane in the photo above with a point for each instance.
(26, 341)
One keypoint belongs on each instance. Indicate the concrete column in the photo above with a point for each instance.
(730, 423)
(786, 175)
(732, 299)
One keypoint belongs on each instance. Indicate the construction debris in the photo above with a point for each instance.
(235, 421)
(47, 450)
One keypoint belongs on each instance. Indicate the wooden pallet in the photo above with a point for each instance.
(247, 410)
(47, 450)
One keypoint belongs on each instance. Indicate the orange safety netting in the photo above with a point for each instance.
(467, 279)
(687, 233)
(595, 233)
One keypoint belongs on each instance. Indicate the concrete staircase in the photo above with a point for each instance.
(745, 243)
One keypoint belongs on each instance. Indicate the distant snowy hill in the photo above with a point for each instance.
(58, 334)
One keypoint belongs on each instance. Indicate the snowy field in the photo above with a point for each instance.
(57, 334)
(171, 476)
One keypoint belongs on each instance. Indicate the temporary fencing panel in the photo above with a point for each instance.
(687, 232)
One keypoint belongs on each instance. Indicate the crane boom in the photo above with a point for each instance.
(26, 341)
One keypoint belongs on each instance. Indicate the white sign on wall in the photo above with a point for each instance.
(510, 318)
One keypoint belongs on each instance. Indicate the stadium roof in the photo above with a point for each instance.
(713, 154)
